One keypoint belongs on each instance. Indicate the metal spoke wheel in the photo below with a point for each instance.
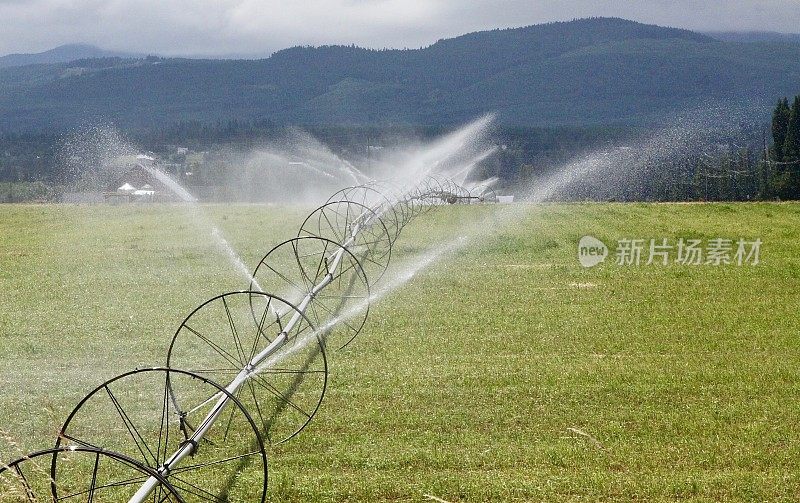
(397, 194)
(357, 227)
(297, 267)
(449, 192)
(383, 203)
(431, 192)
(76, 473)
(157, 417)
(420, 198)
(267, 342)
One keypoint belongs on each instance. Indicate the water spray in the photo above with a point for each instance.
(244, 369)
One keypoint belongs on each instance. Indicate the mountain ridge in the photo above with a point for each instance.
(62, 54)
(589, 71)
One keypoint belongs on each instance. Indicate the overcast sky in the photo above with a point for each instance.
(218, 27)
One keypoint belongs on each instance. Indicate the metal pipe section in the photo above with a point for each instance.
(189, 446)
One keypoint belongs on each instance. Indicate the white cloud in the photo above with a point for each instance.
(262, 26)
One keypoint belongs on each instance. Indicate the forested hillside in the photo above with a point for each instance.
(592, 71)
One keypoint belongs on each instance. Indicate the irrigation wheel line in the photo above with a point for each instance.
(176, 423)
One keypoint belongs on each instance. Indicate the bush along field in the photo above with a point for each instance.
(503, 370)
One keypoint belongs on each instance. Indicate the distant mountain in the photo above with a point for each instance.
(61, 54)
(755, 36)
(590, 71)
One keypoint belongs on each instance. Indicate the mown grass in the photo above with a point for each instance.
(504, 372)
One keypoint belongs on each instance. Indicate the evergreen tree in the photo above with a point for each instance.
(791, 147)
(780, 124)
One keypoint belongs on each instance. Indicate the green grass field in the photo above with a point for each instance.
(504, 372)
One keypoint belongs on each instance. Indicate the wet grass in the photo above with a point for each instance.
(505, 372)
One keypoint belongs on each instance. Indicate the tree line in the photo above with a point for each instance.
(743, 166)
(784, 158)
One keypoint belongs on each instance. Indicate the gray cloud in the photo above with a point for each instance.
(214, 27)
